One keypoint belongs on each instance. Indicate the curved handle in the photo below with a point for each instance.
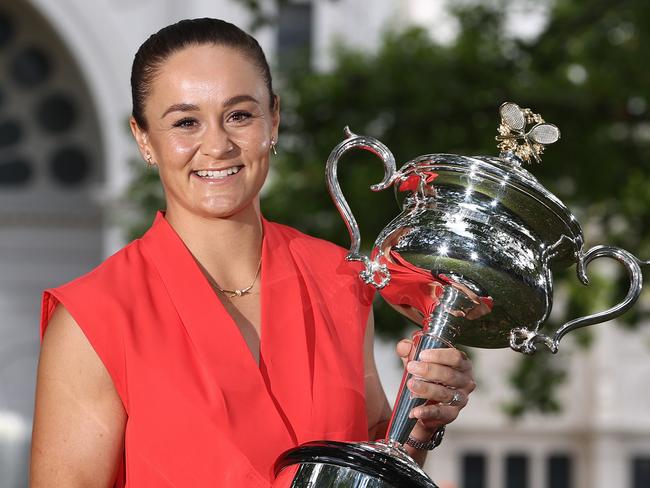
(524, 340)
(353, 141)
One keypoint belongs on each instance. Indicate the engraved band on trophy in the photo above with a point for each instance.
(477, 238)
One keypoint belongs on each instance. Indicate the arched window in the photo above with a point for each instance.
(49, 137)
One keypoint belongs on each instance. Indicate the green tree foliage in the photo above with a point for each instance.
(586, 72)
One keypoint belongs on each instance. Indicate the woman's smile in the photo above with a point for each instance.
(217, 175)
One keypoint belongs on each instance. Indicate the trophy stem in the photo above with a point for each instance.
(439, 331)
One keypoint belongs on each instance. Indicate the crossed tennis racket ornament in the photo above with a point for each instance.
(513, 137)
(470, 260)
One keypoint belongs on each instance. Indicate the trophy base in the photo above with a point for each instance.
(325, 464)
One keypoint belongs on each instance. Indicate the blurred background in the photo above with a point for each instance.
(423, 76)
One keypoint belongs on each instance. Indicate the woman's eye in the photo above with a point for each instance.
(239, 117)
(185, 122)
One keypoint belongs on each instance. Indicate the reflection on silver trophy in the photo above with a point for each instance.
(470, 260)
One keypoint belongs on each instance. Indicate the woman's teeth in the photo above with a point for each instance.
(218, 173)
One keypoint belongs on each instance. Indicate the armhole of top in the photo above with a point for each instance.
(54, 297)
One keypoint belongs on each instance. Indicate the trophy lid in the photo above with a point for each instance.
(503, 181)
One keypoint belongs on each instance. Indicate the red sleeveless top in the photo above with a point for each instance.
(201, 412)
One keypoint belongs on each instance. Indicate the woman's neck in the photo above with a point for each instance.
(228, 249)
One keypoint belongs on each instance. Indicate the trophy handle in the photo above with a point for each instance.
(524, 340)
(353, 141)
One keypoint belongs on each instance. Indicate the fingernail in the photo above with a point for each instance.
(414, 367)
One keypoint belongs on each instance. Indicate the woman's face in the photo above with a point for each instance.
(210, 128)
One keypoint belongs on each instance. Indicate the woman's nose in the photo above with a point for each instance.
(216, 142)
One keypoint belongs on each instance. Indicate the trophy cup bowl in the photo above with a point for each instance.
(470, 260)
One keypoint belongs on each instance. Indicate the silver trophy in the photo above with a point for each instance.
(470, 260)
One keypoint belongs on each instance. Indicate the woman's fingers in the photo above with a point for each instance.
(452, 357)
(432, 416)
(438, 394)
(404, 349)
(439, 373)
(444, 378)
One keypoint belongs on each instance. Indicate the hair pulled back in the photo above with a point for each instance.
(191, 32)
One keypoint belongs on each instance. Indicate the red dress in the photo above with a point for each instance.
(201, 412)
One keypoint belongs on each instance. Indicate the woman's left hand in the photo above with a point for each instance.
(444, 378)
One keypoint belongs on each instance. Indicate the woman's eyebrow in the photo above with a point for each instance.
(190, 107)
(180, 107)
(238, 99)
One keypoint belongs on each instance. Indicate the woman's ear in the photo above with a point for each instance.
(141, 139)
(275, 117)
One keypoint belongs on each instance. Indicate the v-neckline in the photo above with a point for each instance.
(224, 309)
(197, 302)
(284, 374)
(231, 322)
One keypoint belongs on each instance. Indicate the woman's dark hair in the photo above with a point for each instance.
(155, 51)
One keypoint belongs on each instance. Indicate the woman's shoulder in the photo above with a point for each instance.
(102, 295)
(112, 276)
(321, 257)
(99, 303)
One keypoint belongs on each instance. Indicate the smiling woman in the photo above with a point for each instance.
(199, 353)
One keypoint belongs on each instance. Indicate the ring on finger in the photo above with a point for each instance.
(456, 399)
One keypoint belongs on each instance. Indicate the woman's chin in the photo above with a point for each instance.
(224, 211)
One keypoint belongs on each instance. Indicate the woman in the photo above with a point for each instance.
(198, 353)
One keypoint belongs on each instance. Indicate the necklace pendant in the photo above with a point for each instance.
(235, 293)
(242, 291)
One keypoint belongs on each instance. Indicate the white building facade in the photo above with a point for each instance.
(64, 152)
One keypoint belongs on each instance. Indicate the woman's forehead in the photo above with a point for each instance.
(207, 73)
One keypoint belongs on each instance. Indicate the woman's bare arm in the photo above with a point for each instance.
(79, 419)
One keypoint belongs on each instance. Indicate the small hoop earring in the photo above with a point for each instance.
(273, 143)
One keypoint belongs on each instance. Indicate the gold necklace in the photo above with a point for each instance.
(242, 291)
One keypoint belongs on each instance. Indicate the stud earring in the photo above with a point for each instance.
(150, 160)
(273, 144)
